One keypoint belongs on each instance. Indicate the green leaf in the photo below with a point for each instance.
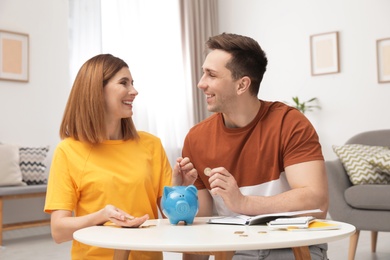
(304, 106)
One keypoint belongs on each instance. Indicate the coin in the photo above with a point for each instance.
(148, 226)
(207, 171)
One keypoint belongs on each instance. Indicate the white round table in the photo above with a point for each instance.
(160, 235)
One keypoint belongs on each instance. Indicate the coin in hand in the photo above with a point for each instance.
(207, 171)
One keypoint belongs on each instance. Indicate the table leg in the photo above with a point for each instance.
(301, 253)
(223, 255)
(121, 254)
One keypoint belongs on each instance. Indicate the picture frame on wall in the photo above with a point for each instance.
(324, 53)
(383, 60)
(14, 56)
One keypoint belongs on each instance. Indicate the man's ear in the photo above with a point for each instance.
(244, 84)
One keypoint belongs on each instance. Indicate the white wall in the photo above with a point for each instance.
(30, 113)
(352, 100)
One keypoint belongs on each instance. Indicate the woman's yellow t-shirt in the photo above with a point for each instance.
(129, 174)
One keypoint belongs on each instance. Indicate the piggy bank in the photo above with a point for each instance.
(180, 203)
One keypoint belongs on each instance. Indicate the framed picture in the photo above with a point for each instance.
(324, 52)
(383, 59)
(13, 56)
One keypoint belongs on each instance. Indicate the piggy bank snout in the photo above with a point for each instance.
(182, 207)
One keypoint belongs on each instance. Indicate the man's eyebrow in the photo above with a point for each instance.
(209, 70)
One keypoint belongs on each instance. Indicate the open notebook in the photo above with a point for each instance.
(259, 219)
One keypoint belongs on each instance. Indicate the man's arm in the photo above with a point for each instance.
(309, 182)
(309, 190)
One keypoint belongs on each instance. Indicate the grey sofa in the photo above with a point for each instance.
(371, 210)
(22, 207)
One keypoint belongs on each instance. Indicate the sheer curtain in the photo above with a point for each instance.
(154, 37)
(199, 22)
(84, 32)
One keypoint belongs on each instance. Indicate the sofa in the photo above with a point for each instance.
(23, 178)
(359, 185)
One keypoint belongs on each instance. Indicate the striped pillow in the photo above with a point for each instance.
(382, 161)
(32, 164)
(355, 160)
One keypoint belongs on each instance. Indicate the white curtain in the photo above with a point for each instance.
(163, 43)
(199, 22)
(84, 33)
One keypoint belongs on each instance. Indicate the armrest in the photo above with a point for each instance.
(338, 183)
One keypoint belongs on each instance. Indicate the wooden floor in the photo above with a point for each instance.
(37, 244)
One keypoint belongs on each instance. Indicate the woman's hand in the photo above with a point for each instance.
(184, 173)
(121, 218)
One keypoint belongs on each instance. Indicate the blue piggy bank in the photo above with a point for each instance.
(180, 203)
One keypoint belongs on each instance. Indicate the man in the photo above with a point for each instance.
(265, 157)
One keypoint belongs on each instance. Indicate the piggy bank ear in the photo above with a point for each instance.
(167, 190)
(192, 189)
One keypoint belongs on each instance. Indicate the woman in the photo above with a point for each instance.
(104, 170)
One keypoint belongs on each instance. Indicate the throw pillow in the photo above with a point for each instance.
(10, 173)
(381, 161)
(355, 160)
(32, 164)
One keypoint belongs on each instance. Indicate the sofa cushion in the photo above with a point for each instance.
(368, 197)
(355, 161)
(19, 190)
(10, 173)
(381, 161)
(32, 164)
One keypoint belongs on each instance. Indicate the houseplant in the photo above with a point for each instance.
(305, 106)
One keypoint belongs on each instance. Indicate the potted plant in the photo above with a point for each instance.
(305, 106)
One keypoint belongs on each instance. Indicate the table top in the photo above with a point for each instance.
(160, 235)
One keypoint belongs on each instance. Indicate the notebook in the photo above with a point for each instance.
(259, 219)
